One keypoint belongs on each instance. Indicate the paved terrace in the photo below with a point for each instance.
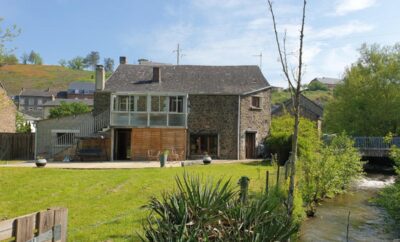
(120, 164)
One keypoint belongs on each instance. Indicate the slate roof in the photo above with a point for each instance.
(57, 102)
(189, 79)
(35, 93)
(90, 86)
(305, 102)
(328, 80)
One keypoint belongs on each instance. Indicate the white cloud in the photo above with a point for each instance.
(342, 30)
(344, 7)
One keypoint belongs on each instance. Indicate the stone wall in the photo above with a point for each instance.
(254, 120)
(101, 102)
(215, 114)
(7, 113)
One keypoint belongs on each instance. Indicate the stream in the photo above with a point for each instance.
(368, 222)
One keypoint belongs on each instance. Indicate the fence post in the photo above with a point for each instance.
(277, 176)
(267, 182)
(244, 187)
(25, 228)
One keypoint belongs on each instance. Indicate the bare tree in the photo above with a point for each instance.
(293, 77)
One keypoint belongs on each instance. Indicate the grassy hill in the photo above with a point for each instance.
(320, 97)
(15, 77)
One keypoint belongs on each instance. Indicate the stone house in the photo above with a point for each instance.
(31, 101)
(190, 110)
(8, 113)
(308, 109)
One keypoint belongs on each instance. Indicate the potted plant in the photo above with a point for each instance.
(40, 162)
(206, 158)
(164, 158)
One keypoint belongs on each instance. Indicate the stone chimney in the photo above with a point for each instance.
(100, 78)
(122, 60)
(156, 74)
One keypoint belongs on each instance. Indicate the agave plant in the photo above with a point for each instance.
(211, 211)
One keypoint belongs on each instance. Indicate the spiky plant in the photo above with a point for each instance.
(211, 211)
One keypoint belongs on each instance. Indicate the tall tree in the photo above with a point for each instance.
(108, 64)
(92, 59)
(77, 63)
(35, 58)
(63, 62)
(7, 34)
(294, 82)
(367, 103)
(25, 58)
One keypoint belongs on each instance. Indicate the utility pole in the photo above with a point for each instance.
(260, 56)
(178, 54)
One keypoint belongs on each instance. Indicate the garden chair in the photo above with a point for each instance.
(153, 155)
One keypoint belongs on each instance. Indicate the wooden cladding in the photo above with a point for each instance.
(156, 139)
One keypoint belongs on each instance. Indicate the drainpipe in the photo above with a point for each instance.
(238, 130)
(36, 134)
(112, 145)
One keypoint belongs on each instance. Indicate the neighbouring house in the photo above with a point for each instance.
(57, 102)
(190, 110)
(80, 90)
(31, 101)
(329, 82)
(308, 109)
(8, 113)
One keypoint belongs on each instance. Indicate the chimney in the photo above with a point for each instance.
(156, 74)
(122, 60)
(143, 61)
(100, 78)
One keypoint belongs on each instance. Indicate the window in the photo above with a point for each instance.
(204, 143)
(39, 101)
(122, 103)
(21, 100)
(65, 138)
(31, 101)
(255, 102)
(158, 103)
(141, 104)
(176, 104)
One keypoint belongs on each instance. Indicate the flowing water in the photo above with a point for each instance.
(368, 222)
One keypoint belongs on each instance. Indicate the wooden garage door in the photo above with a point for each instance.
(156, 139)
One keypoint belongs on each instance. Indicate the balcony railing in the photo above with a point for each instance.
(144, 119)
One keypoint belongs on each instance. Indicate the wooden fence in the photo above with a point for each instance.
(17, 146)
(49, 225)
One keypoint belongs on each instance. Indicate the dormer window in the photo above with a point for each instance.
(256, 102)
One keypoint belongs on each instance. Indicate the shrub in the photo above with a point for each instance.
(317, 86)
(279, 141)
(328, 172)
(67, 109)
(213, 212)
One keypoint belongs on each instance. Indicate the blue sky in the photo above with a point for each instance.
(210, 32)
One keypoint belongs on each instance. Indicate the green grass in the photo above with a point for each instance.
(317, 96)
(103, 204)
(15, 77)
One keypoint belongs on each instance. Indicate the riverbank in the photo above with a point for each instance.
(368, 222)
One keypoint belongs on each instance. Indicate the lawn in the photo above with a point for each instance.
(103, 204)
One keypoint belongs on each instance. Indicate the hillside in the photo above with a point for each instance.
(320, 97)
(14, 77)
